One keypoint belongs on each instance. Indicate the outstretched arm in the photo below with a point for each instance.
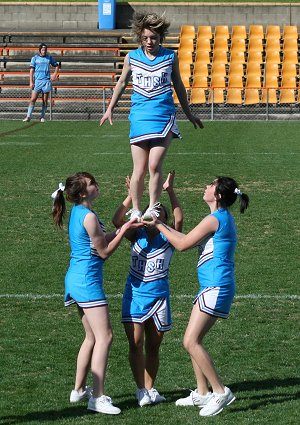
(118, 91)
(181, 94)
(119, 215)
(106, 244)
(182, 242)
(177, 212)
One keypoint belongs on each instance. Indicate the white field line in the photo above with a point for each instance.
(178, 296)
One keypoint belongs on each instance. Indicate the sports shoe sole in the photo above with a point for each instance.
(106, 412)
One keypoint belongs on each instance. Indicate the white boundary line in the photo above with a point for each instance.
(237, 297)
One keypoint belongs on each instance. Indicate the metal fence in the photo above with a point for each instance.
(90, 102)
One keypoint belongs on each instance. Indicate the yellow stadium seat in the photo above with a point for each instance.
(186, 44)
(290, 44)
(202, 56)
(186, 81)
(253, 68)
(236, 69)
(238, 45)
(290, 31)
(187, 29)
(220, 56)
(273, 32)
(220, 43)
(222, 30)
(255, 56)
(288, 70)
(204, 30)
(273, 44)
(287, 96)
(252, 96)
(203, 43)
(185, 68)
(200, 81)
(255, 44)
(271, 69)
(237, 57)
(235, 81)
(218, 68)
(200, 68)
(253, 81)
(256, 31)
(290, 56)
(198, 96)
(273, 56)
(234, 96)
(269, 92)
(185, 56)
(238, 31)
(288, 90)
(218, 85)
(269, 96)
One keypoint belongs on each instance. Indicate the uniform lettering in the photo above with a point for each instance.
(149, 81)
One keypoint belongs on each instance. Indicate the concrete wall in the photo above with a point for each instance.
(84, 16)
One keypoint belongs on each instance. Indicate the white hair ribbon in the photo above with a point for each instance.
(238, 192)
(60, 187)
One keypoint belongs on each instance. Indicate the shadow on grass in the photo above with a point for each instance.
(275, 393)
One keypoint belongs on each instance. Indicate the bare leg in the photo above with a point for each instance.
(32, 101)
(156, 157)
(135, 336)
(140, 155)
(44, 105)
(199, 324)
(152, 344)
(98, 319)
(85, 354)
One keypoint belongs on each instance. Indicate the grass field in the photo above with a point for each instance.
(256, 350)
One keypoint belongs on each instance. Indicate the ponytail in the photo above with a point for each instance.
(59, 208)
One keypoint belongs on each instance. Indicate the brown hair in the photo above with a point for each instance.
(75, 187)
(150, 21)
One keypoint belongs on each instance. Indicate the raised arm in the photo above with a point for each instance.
(118, 91)
(119, 215)
(106, 244)
(183, 242)
(181, 94)
(177, 212)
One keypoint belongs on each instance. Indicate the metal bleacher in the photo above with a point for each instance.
(90, 64)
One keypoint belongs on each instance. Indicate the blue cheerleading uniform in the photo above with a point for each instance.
(147, 292)
(216, 267)
(84, 279)
(153, 113)
(41, 66)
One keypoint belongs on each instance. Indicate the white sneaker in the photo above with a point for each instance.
(217, 403)
(42, 119)
(143, 397)
(151, 212)
(194, 399)
(155, 396)
(103, 404)
(76, 396)
(134, 213)
(27, 119)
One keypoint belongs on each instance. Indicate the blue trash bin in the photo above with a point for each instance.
(106, 14)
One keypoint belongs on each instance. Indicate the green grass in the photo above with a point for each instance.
(256, 350)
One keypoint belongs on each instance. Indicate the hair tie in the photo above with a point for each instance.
(60, 187)
(238, 192)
